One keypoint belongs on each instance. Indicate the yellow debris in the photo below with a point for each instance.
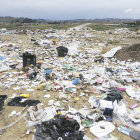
(25, 95)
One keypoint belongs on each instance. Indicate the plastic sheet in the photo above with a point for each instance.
(17, 101)
(60, 128)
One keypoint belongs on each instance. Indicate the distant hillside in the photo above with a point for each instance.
(20, 20)
(29, 20)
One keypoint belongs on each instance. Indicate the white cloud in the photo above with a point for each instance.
(129, 10)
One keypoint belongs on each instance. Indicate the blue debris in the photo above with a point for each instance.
(48, 71)
(76, 81)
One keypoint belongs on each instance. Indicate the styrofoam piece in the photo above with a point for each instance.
(102, 128)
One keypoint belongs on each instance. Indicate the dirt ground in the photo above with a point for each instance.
(127, 53)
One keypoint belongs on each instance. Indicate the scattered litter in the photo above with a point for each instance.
(47, 96)
(71, 91)
(12, 113)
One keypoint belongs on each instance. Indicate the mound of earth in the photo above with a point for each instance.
(131, 52)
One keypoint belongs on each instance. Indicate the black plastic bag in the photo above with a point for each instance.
(17, 102)
(114, 94)
(63, 128)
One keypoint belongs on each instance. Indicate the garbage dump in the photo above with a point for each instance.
(77, 91)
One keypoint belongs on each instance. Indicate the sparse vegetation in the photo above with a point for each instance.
(103, 27)
(20, 26)
(113, 42)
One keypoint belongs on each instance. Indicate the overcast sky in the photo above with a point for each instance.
(71, 9)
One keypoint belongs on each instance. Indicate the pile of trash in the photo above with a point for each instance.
(68, 90)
